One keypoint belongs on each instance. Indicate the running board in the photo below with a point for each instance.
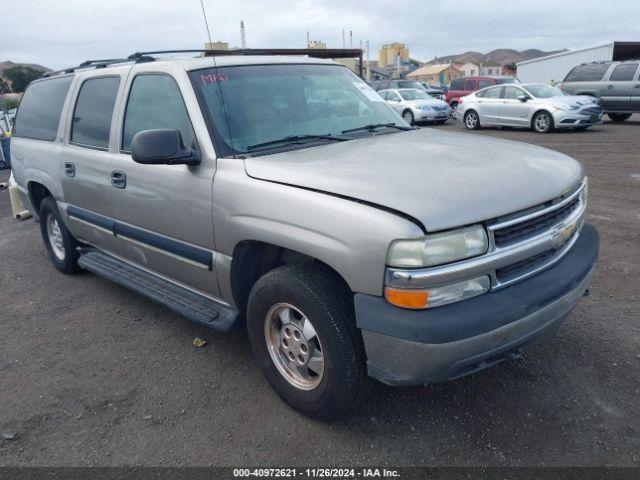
(187, 303)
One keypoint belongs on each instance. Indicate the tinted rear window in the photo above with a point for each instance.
(39, 113)
(93, 112)
(457, 84)
(624, 73)
(592, 72)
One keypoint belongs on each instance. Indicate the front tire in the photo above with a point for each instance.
(60, 244)
(619, 117)
(471, 120)
(303, 334)
(408, 117)
(542, 122)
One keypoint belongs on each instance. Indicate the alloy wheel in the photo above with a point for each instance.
(56, 240)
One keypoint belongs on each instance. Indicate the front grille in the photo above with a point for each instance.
(517, 269)
(529, 228)
(439, 109)
(591, 111)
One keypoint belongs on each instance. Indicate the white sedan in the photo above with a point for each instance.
(416, 105)
(540, 107)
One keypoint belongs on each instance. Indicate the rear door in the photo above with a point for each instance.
(86, 160)
(164, 213)
(512, 110)
(489, 105)
(620, 87)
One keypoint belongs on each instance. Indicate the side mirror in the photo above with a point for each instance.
(162, 147)
(523, 98)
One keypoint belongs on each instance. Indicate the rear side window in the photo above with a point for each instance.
(592, 72)
(624, 73)
(490, 93)
(469, 85)
(484, 84)
(39, 113)
(94, 109)
(155, 102)
(457, 84)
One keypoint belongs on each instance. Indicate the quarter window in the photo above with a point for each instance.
(624, 73)
(592, 72)
(155, 102)
(491, 93)
(93, 112)
(39, 114)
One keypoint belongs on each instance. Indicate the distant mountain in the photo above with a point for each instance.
(9, 64)
(500, 56)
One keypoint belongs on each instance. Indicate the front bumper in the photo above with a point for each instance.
(431, 115)
(570, 119)
(407, 347)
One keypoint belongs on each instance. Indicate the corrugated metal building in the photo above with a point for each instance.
(555, 67)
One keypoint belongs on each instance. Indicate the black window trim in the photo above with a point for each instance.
(34, 82)
(75, 105)
(126, 106)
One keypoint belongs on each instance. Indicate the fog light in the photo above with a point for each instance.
(437, 296)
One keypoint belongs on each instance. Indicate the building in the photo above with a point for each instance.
(554, 68)
(388, 54)
(317, 44)
(442, 74)
(470, 69)
(490, 69)
(216, 46)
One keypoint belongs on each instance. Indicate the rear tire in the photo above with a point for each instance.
(60, 244)
(471, 120)
(330, 377)
(542, 122)
(619, 117)
(454, 110)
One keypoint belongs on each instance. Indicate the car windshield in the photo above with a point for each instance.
(544, 91)
(254, 105)
(414, 94)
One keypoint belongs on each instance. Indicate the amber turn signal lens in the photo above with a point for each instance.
(414, 299)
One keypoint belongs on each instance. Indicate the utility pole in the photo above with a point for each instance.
(243, 39)
(308, 39)
(350, 39)
(343, 44)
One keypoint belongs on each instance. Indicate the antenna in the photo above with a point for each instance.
(350, 39)
(308, 39)
(343, 44)
(243, 39)
(206, 24)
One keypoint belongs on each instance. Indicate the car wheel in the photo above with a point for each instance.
(303, 334)
(408, 117)
(454, 110)
(60, 244)
(471, 120)
(542, 122)
(619, 117)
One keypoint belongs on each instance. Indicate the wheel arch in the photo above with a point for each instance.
(37, 193)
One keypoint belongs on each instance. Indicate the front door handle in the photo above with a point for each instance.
(69, 169)
(609, 87)
(118, 179)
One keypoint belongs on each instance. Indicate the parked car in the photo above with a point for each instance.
(395, 84)
(435, 92)
(416, 105)
(349, 245)
(540, 107)
(461, 87)
(616, 84)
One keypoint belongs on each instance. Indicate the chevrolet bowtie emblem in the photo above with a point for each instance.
(562, 233)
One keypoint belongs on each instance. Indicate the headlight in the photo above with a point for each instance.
(566, 107)
(438, 248)
(437, 296)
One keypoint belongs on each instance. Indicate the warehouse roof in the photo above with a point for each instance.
(621, 51)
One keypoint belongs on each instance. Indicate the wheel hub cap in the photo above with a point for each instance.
(54, 232)
(294, 346)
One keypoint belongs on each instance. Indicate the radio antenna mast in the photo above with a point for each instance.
(206, 23)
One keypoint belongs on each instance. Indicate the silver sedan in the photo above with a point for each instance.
(540, 107)
(416, 105)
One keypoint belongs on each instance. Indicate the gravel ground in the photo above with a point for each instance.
(91, 374)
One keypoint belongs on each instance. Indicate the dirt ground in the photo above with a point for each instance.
(92, 374)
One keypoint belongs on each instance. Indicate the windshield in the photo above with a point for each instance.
(544, 91)
(414, 95)
(256, 104)
(410, 84)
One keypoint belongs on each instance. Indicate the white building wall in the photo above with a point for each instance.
(555, 67)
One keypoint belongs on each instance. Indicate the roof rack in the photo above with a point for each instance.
(89, 64)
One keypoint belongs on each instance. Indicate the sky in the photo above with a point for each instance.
(62, 34)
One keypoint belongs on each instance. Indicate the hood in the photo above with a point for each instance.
(431, 102)
(442, 179)
(577, 100)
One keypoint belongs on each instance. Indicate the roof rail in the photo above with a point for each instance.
(147, 56)
(88, 64)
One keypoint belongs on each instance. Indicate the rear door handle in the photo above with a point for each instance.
(118, 179)
(610, 87)
(69, 169)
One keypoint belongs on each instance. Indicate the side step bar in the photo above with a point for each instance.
(187, 303)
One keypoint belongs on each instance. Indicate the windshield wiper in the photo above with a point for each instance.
(296, 138)
(373, 126)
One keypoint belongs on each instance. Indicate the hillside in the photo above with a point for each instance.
(501, 56)
(9, 64)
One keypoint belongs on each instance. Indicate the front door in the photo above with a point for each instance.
(86, 161)
(164, 214)
(618, 89)
(514, 111)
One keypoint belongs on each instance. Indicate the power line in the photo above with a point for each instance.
(206, 23)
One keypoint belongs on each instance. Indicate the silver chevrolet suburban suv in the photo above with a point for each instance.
(239, 191)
